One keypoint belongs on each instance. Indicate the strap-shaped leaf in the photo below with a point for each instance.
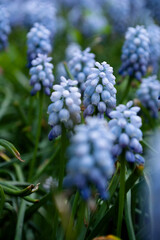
(11, 148)
(2, 199)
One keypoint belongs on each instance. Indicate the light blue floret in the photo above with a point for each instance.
(65, 107)
(41, 74)
(125, 125)
(38, 41)
(148, 94)
(90, 159)
(4, 28)
(135, 53)
(100, 93)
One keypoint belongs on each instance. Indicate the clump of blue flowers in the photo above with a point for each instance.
(41, 74)
(135, 53)
(100, 93)
(80, 66)
(65, 107)
(125, 125)
(148, 94)
(4, 28)
(38, 41)
(91, 161)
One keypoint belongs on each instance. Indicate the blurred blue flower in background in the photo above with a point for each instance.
(119, 14)
(65, 107)
(42, 12)
(100, 93)
(125, 125)
(154, 36)
(90, 159)
(154, 6)
(4, 28)
(135, 53)
(139, 13)
(152, 173)
(148, 94)
(80, 66)
(41, 74)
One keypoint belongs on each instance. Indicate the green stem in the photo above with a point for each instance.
(33, 161)
(68, 71)
(126, 91)
(62, 157)
(121, 196)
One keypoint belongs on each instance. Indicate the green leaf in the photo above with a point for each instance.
(19, 227)
(128, 217)
(11, 148)
(2, 200)
(8, 189)
(32, 209)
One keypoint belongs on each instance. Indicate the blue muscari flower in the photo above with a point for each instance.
(80, 65)
(154, 7)
(148, 94)
(4, 28)
(154, 36)
(42, 12)
(135, 53)
(90, 159)
(94, 23)
(41, 74)
(139, 13)
(119, 14)
(100, 93)
(125, 125)
(65, 107)
(16, 11)
(38, 41)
